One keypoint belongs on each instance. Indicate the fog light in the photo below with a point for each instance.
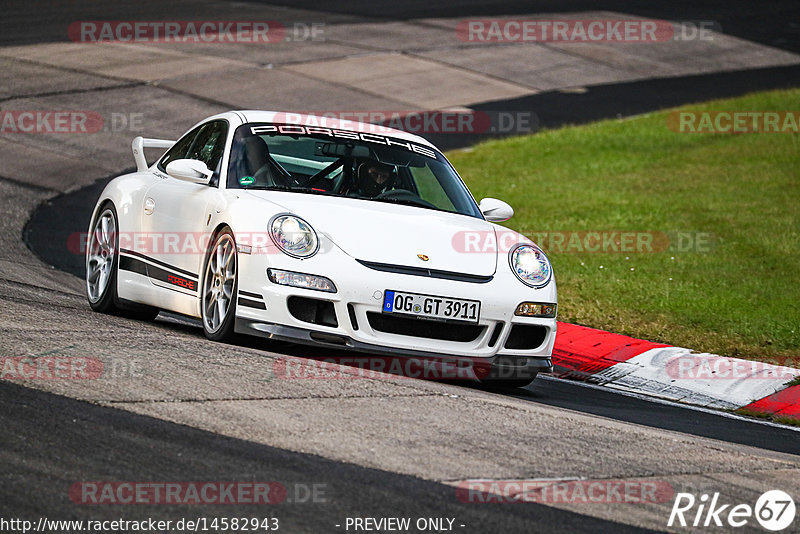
(536, 309)
(306, 281)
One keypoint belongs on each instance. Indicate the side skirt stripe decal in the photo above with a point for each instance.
(135, 265)
(157, 262)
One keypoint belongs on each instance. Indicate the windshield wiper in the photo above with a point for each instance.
(266, 187)
(407, 202)
(291, 188)
(313, 191)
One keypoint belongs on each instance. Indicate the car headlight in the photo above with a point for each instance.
(293, 236)
(530, 265)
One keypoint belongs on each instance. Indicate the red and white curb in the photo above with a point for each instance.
(674, 373)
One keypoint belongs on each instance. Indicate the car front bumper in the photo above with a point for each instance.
(498, 366)
(357, 307)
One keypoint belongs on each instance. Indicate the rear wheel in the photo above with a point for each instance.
(102, 265)
(220, 283)
(101, 261)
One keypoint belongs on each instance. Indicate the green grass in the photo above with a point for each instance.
(782, 419)
(740, 298)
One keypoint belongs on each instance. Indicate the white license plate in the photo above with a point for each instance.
(431, 306)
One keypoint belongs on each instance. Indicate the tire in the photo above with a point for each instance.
(102, 266)
(102, 260)
(219, 287)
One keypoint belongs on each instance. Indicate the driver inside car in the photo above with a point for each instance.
(374, 178)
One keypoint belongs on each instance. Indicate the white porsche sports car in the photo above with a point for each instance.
(334, 233)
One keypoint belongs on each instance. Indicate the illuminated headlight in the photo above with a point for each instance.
(307, 281)
(536, 309)
(530, 265)
(293, 235)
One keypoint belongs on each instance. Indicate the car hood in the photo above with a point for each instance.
(395, 234)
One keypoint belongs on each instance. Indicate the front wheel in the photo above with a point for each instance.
(220, 283)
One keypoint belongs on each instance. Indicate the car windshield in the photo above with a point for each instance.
(365, 166)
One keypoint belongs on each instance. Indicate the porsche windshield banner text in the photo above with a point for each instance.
(294, 129)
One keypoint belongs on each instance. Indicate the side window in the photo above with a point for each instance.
(179, 149)
(205, 143)
(209, 144)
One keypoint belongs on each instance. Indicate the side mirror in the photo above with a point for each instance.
(189, 170)
(495, 210)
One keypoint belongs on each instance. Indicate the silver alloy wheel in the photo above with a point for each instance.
(219, 282)
(100, 255)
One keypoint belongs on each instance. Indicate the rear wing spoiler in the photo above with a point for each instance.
(138, 146)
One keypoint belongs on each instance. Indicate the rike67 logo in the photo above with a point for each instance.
(774, 510)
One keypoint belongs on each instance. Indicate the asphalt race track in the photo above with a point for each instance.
(155, 450)
(176, 407)
(53, 223)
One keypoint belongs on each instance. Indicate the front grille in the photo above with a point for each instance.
(430, 273)
(409, 326)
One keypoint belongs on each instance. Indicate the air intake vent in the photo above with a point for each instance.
(526, 336)
(498, 329)
(409, 326)
(312, 311)
(352, 313)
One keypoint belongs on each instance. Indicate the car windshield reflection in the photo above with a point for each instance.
(368, 167)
